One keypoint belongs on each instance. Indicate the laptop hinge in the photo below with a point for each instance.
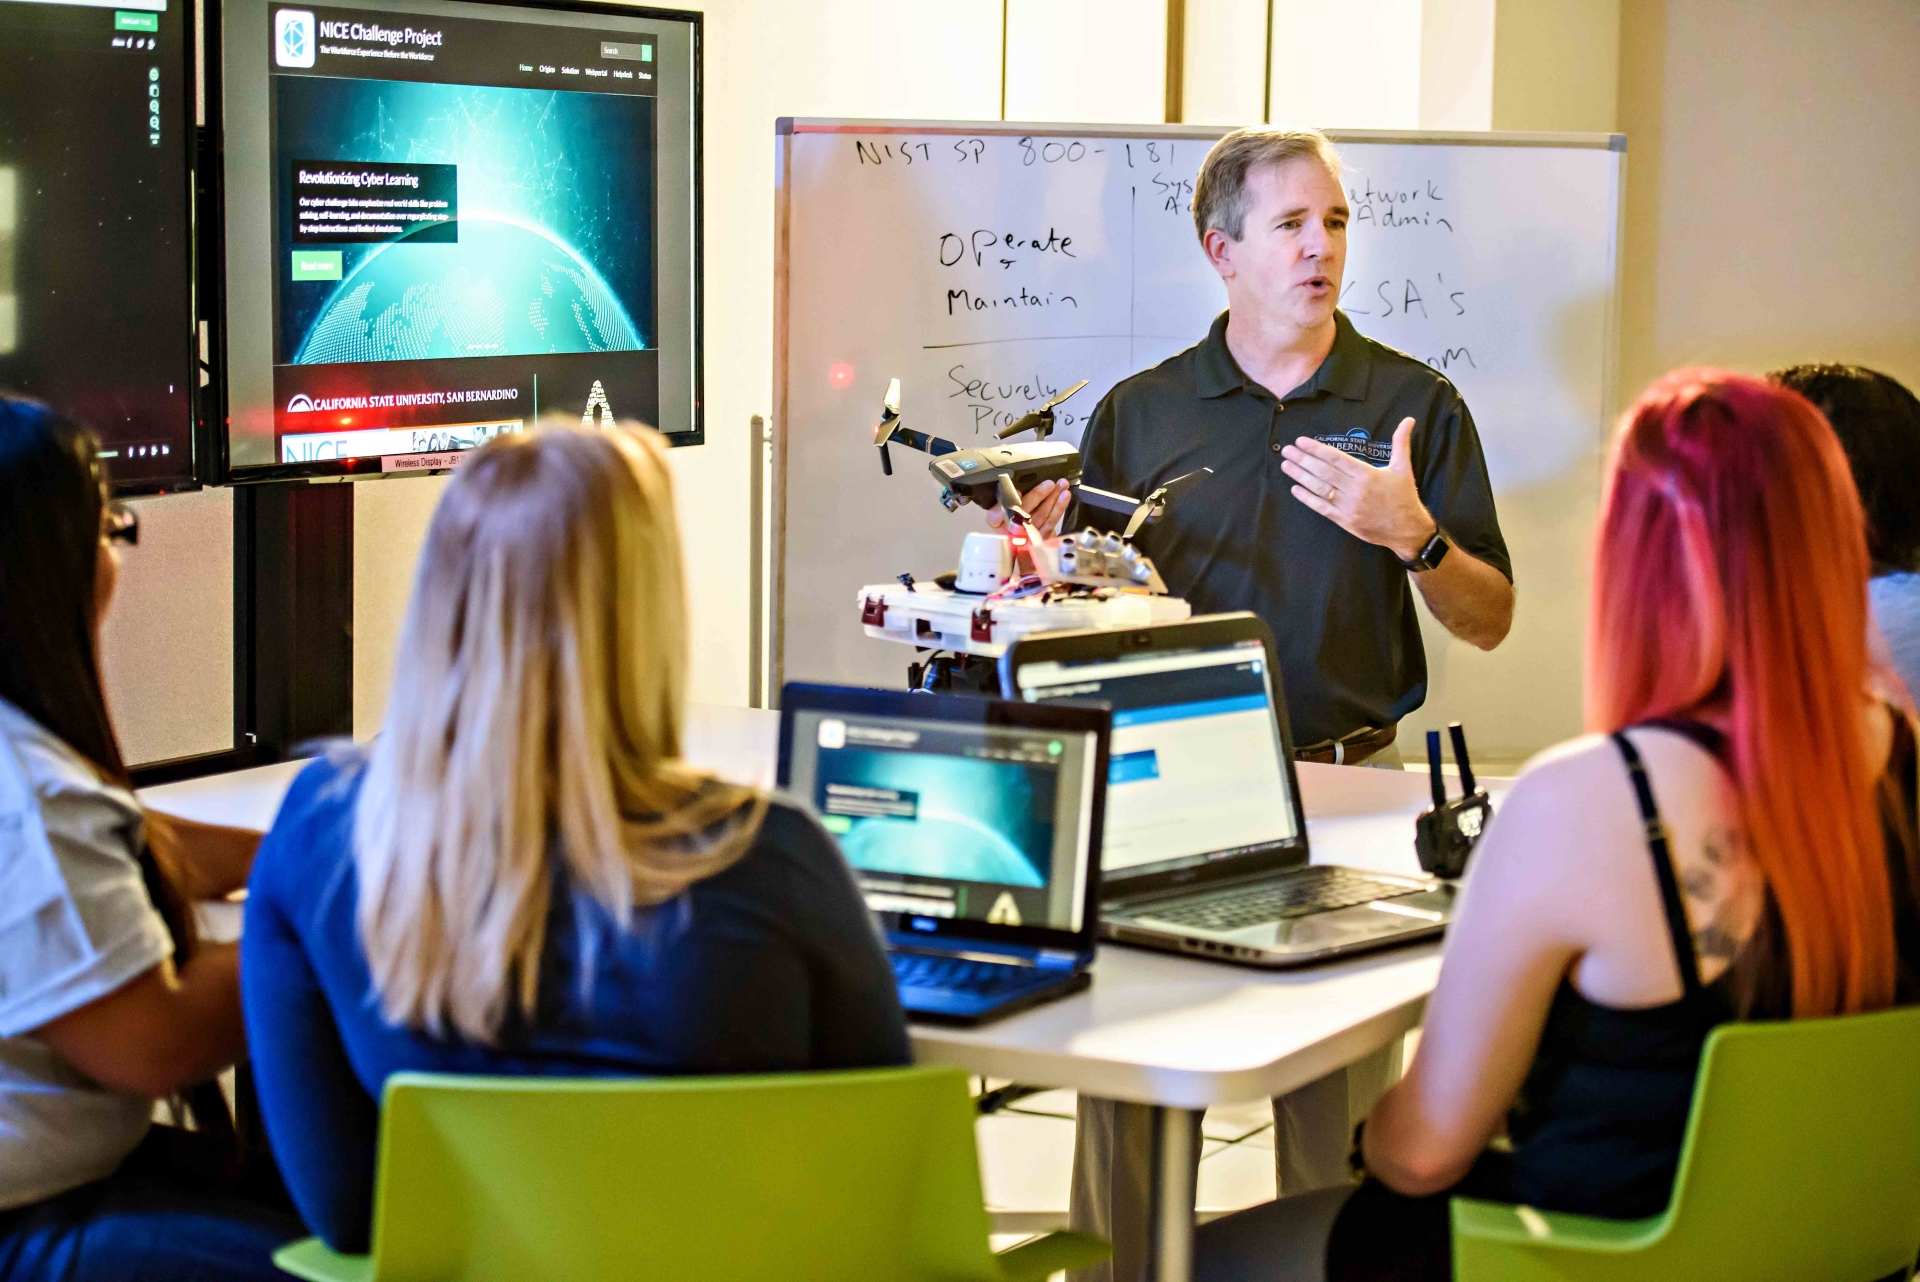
(1056, 959)
(965, 954)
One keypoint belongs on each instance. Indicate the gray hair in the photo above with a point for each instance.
(1220, 193)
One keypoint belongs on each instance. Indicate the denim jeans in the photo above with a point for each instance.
(150, 1221)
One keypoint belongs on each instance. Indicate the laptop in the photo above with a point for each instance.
(973, 827)
(1206, 840)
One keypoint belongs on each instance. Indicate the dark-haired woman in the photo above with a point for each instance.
(107, 1003)
(1878, 422)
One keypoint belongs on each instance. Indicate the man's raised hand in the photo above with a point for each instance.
(1380, 505)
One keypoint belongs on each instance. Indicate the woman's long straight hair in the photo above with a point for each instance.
(53, 495)
(1731, 572)
(534, 726)
(52, 499)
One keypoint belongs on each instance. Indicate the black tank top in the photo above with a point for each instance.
(1598, 1124)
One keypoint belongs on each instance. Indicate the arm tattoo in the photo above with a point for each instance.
(1713, 891)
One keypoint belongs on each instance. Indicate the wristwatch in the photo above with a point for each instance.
(1430, 556)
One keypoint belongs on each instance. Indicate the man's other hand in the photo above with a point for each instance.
(1046, 503)
(1378, 504)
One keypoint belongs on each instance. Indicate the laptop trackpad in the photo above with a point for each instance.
(1404, 914)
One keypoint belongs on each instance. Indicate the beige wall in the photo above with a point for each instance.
(1085, 60)
(1773, 179)
(1554, 65)
(1456, 64)
(1347, 64)
(389, 525)
(1223, 81)
(166, 646)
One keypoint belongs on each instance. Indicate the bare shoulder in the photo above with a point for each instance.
(1568, 856)
(1556, 834)
(1568, 787)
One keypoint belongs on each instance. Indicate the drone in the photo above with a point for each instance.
(997, 475)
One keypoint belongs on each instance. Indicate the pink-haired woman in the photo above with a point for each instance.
(1735, 840)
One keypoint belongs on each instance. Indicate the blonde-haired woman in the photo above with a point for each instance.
(520, 876)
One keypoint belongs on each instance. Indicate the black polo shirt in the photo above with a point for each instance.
(1341, 609)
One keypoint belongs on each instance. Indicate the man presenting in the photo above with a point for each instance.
(1342, 470)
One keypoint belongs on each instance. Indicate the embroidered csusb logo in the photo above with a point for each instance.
(1356, 442)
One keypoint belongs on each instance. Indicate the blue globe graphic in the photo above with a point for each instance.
(938, 843)
(504, 290)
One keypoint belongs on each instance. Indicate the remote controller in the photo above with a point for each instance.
(1444, 836)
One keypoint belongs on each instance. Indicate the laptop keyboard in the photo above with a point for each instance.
(961, 974)
(1311, 890)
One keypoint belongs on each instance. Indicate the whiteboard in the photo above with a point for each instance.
(987, 267)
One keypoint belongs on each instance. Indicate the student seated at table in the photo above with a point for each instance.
(1735, 842)
(520, 876)
(1878, 423)
(107, 1002)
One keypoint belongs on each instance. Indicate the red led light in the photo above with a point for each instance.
(840, 374)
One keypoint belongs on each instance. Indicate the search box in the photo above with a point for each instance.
(148, 6)
(629, 52)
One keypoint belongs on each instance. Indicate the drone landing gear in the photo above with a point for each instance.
(944, 672)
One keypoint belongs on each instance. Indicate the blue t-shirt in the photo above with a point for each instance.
(773, 964)
(1896, 612)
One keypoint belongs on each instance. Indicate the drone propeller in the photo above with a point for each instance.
(885, 429)
(888, 430)
(1156, 503)
(1061, 397)
(1040, 422)
(1010, 502)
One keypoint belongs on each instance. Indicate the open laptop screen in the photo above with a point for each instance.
(953, 820)
(1197, 770)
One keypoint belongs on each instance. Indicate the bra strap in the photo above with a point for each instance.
(1662, 851)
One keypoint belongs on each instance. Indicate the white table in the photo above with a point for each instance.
(1175, 1033)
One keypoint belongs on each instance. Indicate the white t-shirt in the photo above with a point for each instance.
(75, 924)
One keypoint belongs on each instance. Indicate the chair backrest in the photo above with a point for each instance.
(1802, 1155)
(861, 1174)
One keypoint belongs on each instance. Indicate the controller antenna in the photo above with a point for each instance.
(1459, 737)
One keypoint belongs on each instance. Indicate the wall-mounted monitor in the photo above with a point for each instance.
(445, 219)
(96, 242)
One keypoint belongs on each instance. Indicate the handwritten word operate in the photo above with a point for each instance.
(1002, 247)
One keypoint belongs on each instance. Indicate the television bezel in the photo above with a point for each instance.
(199, 461)
(370, 468)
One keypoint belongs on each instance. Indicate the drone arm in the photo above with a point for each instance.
(923, 442)
(1106, 500)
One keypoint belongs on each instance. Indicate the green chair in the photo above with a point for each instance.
(1801, 1164)
(864, 1175)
